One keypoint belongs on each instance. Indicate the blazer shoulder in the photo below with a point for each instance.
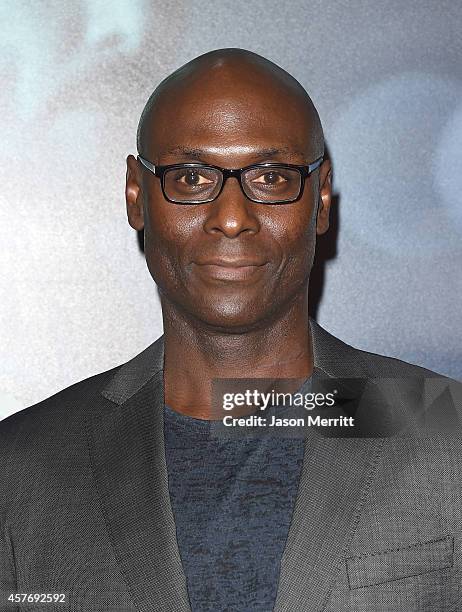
(62, 415)
(382, 365)
(335, 354)
(403, 389)
(57, 409)
(414, 380)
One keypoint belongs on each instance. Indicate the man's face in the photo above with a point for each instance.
(232, 263)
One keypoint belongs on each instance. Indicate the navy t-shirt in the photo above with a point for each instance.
(232, 501)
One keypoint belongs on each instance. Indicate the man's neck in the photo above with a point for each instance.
(195, 354)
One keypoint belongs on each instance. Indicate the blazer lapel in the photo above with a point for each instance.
(126, 444)
(336, 475)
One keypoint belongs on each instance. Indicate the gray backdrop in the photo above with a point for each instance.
(76, 296)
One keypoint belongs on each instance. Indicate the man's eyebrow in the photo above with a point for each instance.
(199, 154)
(188, 151)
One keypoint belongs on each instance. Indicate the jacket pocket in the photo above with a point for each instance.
(403, 562)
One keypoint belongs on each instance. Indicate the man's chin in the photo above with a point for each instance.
(232, 317)
(225, 311)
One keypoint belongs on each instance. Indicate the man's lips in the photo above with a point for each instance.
(230, 269)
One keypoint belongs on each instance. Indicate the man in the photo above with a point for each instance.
(116, 494)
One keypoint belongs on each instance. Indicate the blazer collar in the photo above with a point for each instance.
(126, 443)
(332, 356)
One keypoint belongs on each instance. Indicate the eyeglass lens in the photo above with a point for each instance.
(202, 184)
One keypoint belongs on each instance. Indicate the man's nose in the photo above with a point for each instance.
(232, 212)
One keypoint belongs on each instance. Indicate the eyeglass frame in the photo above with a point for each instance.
(304, 171)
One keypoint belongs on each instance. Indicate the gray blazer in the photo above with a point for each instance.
(85, 510)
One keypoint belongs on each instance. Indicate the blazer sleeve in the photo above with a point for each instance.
(7, 575)
(8, 582)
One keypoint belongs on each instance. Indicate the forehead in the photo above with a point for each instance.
(229, 119)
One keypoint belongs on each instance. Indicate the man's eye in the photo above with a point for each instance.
(272, 177)
(192, 178)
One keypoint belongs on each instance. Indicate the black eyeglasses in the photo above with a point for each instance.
(268, 183)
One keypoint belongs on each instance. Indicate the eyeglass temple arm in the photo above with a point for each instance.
(147, 164)
(312, 167)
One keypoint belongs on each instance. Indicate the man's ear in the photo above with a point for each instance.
(133, 194)
(325, 197)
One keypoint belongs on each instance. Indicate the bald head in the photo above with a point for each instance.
(224, 85)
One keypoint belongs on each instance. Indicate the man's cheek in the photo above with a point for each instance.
(299, 257)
